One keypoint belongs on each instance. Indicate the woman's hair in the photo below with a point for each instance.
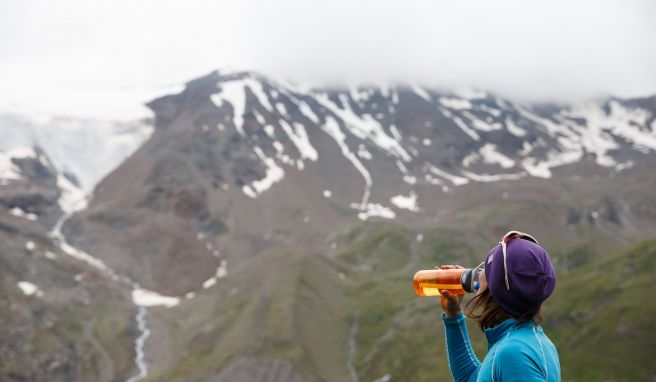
(489, 314)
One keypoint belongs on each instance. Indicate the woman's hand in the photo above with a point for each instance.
(450, 302)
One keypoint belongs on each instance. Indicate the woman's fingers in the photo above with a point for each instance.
(449, 266)
(450, 303)
(450, 296)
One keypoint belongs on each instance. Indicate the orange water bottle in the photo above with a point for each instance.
(431, 282)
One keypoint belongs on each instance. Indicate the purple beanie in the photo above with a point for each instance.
(531, 276)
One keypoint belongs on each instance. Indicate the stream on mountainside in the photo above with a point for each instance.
(141, 315)
(353, 347)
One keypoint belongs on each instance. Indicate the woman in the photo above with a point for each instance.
(515, 279)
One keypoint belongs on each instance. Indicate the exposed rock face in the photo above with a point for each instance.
(35, 191)
(239, 159)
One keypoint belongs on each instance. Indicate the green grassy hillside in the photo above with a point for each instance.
(286, 306)
(353, 312)
(601, 317)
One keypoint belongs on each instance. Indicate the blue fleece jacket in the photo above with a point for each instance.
(516, 352)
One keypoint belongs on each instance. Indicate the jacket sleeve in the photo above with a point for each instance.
(462, 361)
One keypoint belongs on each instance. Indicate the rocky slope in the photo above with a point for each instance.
(239, 162)
(62, 319)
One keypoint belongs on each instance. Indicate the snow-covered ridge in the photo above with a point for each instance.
(362, 122)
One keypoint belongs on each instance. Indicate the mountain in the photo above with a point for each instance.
(267, 232)
(61, 319)
(239, 162)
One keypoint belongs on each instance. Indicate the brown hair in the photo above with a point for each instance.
(489, 314)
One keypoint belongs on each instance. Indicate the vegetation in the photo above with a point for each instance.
(354, 310)
(601, 317)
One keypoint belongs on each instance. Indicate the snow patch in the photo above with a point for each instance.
(462, 125)
(357, 95)
(306, 110)
(376, 210)
(260, 119)
(470, 158)
(331, 127)
(432, 180)
(395, 133)
(410, 179)
(17, 211)
(401, 167)
(455, 103)
(482, 125)
(233, 92)
(406, 202)
(221, 271)
(456, 180)
(418, 90)
(491, 178)
(209, 283)
(514, 129)
(300, 139)
(623, 166)
(274, 174)
(489, 110)
(536, 168)
(29, 289)
(490, 155)
(72, 198)
(246, 189)
(144, 297)
(364, 153)
(281, 108)
(257, 89)
(8, 170)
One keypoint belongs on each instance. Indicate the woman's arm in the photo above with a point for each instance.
(462, 361)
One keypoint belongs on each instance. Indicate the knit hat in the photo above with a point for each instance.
(531, 277)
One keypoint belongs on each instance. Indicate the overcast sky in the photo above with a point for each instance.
(104, 58)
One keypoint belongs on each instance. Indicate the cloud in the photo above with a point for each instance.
(53, 54)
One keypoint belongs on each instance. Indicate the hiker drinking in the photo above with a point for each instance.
(515, 278)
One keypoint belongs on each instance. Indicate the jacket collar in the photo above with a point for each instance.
(500, 331)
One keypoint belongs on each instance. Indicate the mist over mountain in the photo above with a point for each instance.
(258, 230)
(551, 50)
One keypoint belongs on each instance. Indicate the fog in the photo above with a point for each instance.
(103, 59)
